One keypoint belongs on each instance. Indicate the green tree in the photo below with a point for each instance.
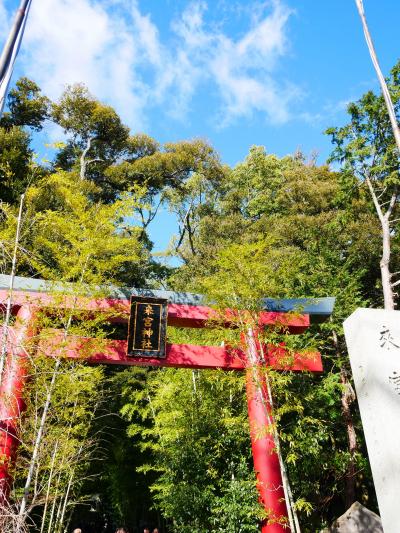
(367, 152)
(27, 108)
(282, 227)
(17, 169)
(97, 135)
(85, 243)
(176, 170)
(194, 428)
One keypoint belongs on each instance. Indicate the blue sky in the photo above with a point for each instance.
(275, 73)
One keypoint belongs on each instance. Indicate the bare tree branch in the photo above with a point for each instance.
(83, 160)
(381, 78)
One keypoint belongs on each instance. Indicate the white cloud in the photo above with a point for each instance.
(148, 37)
(70, 41)
(119, 53)
(242, 69)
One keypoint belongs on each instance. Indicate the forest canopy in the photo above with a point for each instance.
(171, 447)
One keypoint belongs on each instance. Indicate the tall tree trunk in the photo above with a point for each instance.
(384, 219)
(348, 397)
(83, 162)
(388, 294)
(66, 497)
(381, 78)
(53, 459)
(50, 528)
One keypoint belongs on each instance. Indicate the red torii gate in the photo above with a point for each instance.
(184, 310)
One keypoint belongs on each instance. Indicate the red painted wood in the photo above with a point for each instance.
(186, 356)
(11, 394)
(179, 315)
(264, 446)
(201, 316)
(178, 355)
(266, 461)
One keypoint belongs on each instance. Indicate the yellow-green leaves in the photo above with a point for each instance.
(245, 272)
(78, 240)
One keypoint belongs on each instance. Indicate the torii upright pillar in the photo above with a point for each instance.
(11, 393)
(265, 454)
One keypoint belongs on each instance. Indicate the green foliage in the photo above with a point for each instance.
(194, 428)
(16, 169)
(90, 236)
(82, 115)
(366, 146)
(235, 510)
(170, 173)
(67, 447)
(280, 228)
(244, 273)
(368, 155)
(271, 226)
(27, 106)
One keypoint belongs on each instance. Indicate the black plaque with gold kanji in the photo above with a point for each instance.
(147, 327)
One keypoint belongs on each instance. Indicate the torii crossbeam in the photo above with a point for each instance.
(184, 310)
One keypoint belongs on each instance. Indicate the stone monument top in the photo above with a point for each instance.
(357, 519)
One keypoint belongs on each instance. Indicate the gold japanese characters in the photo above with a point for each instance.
(147, 327)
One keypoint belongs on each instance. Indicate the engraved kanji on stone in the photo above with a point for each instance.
(386, 339)
(394, 379)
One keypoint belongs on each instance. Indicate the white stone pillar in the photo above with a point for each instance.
(373, 341)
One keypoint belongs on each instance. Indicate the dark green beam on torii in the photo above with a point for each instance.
(184, 310)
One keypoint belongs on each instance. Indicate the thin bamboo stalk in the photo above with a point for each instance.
(6, 323)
